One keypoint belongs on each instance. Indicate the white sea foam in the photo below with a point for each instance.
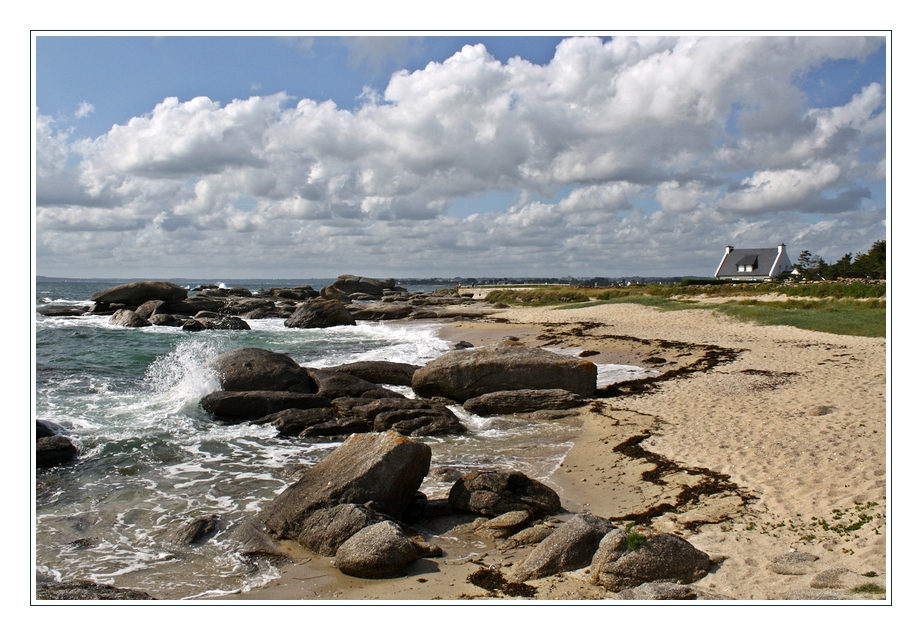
(184, 376)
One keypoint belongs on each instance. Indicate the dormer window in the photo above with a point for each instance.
(748, 264)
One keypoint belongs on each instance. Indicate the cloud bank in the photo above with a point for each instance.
(638, 155)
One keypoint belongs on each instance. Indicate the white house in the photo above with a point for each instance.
(753, 264)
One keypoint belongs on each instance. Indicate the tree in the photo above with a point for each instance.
(874, 263)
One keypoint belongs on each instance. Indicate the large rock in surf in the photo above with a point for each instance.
(524, 401)
(661, 557)
(139, 293)
(320, 313)
(466, 373)
(253, 369)
(569, 547)
(493, 493)
(380, 470)
(255, 404)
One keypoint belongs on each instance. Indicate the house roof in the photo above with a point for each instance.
(761, 258)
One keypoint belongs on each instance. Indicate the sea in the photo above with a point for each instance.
(150, 459)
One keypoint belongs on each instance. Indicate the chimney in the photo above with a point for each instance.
(781, 249)
(729, 249)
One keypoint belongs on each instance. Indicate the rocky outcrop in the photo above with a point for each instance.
(569, 547)
(379, 470)
(376, 552)
(255, 404)
(128, 318)
(661, 557)
(320, 313)
(467, 373)
(253, 369)
(380, 371)
(524, 401)
(493, 493)
(138, 293)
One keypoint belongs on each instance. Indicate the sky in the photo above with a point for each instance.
(464, 155)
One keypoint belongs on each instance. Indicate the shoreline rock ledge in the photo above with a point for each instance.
(508, 366)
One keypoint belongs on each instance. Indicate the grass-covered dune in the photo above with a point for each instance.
(848, 307)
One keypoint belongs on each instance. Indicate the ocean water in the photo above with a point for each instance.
(151, 459)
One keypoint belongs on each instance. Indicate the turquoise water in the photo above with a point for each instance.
(152, 459)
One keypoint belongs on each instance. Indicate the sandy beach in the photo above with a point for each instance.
(765, 447)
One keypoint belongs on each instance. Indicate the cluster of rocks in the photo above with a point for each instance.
(266, 387)
(349, 298)
(357, 506)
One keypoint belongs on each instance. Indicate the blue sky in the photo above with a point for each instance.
(255, 156)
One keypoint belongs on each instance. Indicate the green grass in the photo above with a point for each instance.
(845, 317)
(638, 299)
(854, 308)
(537, 296)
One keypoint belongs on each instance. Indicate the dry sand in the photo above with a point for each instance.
(755, 442)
